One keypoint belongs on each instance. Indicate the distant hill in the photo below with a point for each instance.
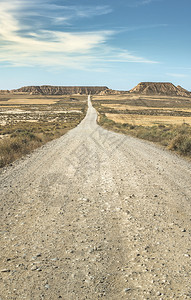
(160, 88)
(144, 88)
(60, 90)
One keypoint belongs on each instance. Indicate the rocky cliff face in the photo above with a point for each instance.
(184, 91)
(61, 90)
(110, 92)
(160, 88)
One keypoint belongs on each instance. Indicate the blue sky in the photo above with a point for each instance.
(114, 43)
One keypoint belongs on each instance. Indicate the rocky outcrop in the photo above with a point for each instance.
(111, 92)
(182, 90)
(4, 91)
(160, 88)
(61, 90)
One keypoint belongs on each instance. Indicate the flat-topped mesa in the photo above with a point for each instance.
(160, 88)
(60, 90)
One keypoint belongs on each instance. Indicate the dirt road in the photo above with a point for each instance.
(96, 215)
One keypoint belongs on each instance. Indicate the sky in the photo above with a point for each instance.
(92, 42)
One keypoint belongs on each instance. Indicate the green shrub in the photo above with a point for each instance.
(182, 144)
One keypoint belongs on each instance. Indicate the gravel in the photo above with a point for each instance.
(96, 214)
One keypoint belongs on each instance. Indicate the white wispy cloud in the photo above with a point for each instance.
(125, 56)
(27, 38)
(63, 14)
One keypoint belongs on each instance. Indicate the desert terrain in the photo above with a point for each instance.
(128, 108)
(96, 215)
(29, 121)
(163, 119)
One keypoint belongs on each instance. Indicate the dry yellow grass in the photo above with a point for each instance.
(29, 101)
(130, 107)
(137, 97)
(146, 120)
(8, 106)
(111, 97)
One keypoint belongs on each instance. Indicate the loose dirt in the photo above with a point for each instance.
(96, 215)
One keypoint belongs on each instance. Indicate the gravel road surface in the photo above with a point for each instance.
(96, 215)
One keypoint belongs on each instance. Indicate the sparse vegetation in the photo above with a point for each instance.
(174, 135)
(25, 137)
(38, 124)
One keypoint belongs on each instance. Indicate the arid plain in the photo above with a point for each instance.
(165, 120)
(95, 214)
(29, 121)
